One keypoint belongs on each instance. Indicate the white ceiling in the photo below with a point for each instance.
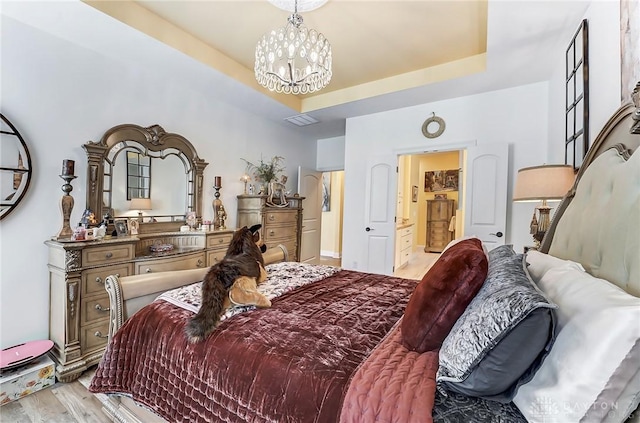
(387, 54)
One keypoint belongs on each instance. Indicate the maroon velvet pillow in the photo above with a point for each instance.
(443, 295)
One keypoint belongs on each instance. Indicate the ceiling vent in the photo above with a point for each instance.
(301, 120)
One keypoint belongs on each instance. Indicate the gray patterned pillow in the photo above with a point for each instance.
(502, 337)
(503, 251)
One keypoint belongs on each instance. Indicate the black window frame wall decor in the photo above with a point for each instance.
(577, 97)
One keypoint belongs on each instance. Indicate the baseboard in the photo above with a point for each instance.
(332, 254)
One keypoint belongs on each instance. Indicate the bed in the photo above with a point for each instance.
(347, 346)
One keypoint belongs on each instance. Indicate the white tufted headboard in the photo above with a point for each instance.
(598, 223)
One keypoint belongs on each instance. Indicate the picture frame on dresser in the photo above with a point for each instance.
(122, 228)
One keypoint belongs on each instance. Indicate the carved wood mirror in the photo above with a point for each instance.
(176, 172)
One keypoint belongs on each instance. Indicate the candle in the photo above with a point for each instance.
(217, 181)
(67, 167)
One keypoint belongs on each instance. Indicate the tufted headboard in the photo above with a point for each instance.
(598, 222)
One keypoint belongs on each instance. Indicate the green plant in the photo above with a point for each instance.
(266, 171)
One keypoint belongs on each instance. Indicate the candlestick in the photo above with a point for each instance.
(68, 167)
(217, 182)
(66, 204)
(218, 222)
(245, 178)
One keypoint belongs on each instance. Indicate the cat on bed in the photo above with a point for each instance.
(243, 258)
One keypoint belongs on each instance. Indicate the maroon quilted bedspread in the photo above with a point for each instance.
(290, 363)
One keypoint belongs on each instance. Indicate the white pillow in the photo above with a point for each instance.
(539, 263)
(589, 372)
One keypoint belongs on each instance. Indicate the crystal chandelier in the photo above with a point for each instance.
(293, 59)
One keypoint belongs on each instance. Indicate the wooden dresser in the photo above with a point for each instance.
(439, 214)
(79, 306)
(280, 225)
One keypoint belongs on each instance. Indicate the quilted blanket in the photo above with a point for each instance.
(291, 363)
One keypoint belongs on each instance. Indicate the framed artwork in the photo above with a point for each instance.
(121, 227)
(414, 194)
(133, 226)
(441, 180)
(576, 104)
(326, 191)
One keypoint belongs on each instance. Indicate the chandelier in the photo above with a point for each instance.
(293, 59)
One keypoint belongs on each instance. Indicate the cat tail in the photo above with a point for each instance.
(208, 317)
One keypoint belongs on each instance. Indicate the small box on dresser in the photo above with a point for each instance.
(24, 380)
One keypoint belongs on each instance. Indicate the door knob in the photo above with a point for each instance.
(368, 229)
(498, 234)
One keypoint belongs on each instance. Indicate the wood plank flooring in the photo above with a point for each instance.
(61, 403)
(73, 403)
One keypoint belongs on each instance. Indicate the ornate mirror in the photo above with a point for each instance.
(15, 168)
(132, 162)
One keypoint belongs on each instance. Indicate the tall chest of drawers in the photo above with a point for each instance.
(439, 214)
(280, 225)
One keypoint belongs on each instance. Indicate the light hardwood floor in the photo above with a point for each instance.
(72, 403)
(418, 264)
(61, 403)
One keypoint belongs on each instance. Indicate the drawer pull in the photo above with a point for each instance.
(99, 280)
(220, 241)
(99, 308)
(147, 270)
(200, 263)
(99, 334)
(109, 255)
(272, 217)
(272, 232)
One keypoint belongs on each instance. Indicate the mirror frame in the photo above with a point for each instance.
(153, 138)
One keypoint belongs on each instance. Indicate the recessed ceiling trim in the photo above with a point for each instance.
(136, 16)
(451, 70)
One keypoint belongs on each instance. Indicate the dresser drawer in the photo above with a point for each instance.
(94, 309)
(221, 241)
(94, 337)
(93, 256)
(279, 233)
(280, 216)
(191, 261)
(405, 231)
(215, 256)
(406, 242)
(93, 280)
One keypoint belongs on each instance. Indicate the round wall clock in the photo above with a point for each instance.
(433, 127)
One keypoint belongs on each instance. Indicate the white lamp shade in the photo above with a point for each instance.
(546, 182)
(140, 204)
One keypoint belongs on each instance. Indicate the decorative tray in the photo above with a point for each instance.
(160, 248)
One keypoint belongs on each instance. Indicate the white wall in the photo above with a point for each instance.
(517, 116)
(330, 154)
(60, 95)
(603, 19)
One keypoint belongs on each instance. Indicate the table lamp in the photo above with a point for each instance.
(542, 183)
(140, 204)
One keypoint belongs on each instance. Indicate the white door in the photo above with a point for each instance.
(486, 193)
(380, 206)
(310, 187)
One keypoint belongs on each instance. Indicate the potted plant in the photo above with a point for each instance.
(266, 172)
